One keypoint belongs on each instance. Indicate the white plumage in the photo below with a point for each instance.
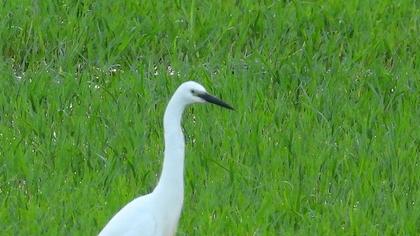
(157, 213)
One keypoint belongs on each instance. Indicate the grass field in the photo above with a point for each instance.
(325, 138)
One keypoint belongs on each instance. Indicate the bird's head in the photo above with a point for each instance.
(193, 92)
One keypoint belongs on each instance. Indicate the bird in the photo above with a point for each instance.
(158, 213)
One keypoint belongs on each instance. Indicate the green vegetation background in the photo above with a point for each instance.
(324, 140)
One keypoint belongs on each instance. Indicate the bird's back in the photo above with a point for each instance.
(133, 219)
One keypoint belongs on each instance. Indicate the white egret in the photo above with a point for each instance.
(158, 212)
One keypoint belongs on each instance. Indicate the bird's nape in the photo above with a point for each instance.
(158, 212)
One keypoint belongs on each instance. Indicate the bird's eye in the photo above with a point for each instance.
(193, 91)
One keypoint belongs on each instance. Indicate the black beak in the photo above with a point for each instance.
(212, 99)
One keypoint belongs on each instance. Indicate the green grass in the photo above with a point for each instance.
(325, 139)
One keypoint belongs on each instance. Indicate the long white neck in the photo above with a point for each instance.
(171, 182)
